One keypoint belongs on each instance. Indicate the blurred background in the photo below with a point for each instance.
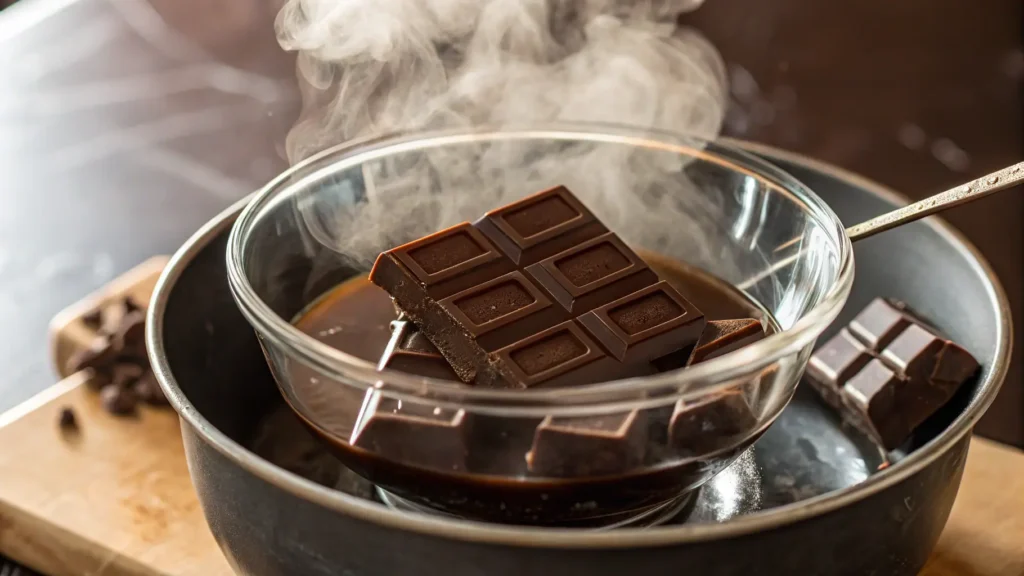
(126, 124)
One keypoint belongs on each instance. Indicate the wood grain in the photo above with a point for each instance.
(116, 498)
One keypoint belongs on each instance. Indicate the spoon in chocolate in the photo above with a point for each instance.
(974, 190)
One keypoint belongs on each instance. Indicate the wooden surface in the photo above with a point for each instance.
(116, 498)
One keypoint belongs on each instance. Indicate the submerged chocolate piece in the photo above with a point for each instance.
(711, 424)
(554, 300)
(540, 225)
(412, 433)
(409, 351)
(588, 445)
(890, 371)
(718, 421)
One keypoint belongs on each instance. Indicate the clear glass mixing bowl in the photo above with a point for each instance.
(707, 205)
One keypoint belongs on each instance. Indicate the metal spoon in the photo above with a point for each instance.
(969, 192)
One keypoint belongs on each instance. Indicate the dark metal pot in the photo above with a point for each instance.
(271, 522)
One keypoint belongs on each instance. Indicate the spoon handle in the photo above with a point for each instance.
(974, 190)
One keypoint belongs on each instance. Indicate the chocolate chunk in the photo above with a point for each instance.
(118, 400)
(130, 333)
(563, 355)
(892, 369)
(723, 336)
(409, 351)
(97, 356)
(412, 433)
(713, 423)
(588, 445)
(540, 226)
(125, 374)
(93, 319)
(67, 420)
(645, 325)
(834, 363)
(147, 389)
(870, 397)
(511, 323)
(592, 274)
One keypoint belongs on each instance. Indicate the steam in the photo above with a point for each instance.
(370, 67)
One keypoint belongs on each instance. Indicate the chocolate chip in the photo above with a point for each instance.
(97, 356)
(125, 374)
(93, 318)
(118, 400)
(148, 390)
(67, 420)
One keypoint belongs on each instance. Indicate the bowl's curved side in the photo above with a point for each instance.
(273, 522)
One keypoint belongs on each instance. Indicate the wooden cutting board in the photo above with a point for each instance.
(116, 499)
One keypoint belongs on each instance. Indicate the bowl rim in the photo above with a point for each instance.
(617, 395)
(535, 537)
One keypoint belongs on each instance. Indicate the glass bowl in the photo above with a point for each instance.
(708, 217)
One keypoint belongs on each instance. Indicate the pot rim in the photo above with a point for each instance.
(538, 537)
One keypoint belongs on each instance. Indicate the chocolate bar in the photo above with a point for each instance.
(537, 293)
(716, 421)
(890, 371)
(588, 445)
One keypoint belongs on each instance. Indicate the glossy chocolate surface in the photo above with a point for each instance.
(527, 471)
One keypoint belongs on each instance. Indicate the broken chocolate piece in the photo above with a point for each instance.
(118, 400)
(551, 262)
(412, 433)
(409, 351)
(834, 363)
(67, 420)
(711, 424)
(588, 445)
(540, 226)
(910, 371)
(97, 356)
(147, 389)
(723, 336)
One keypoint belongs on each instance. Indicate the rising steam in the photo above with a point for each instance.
(371, 67)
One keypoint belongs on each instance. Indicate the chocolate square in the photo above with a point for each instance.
(834, 363)
(711, 424)
(540, 225)
(646, 324)
(503, 311)
(442, 263)
(592, 274)
(410, 352)
(871, 398)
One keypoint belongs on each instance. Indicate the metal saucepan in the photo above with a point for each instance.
(271, 522)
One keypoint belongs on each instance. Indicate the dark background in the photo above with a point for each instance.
(126, 124)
